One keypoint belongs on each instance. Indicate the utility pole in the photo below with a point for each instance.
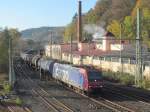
(89, 51)
(51, 34)
(51, 44)
(10, 60)
(40, 70)
(121, 48)
(138, 75)
(71, 61)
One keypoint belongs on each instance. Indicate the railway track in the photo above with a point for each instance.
(100, 100)
(108, 104)
(18, 109)
(52, 103)
(140, 95)
(136, 98)
(56, 105)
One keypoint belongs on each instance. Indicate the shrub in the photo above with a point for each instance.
(146, 84)
(123, 78)
(7, 88)
(127, 79)
(19, 101)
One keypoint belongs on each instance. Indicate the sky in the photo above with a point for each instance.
(23, 14)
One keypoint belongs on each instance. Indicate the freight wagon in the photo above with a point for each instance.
(35, 60)
(28, 55)
(80, 78)
(46, 67)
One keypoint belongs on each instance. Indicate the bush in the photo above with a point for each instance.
(146, 84)
(19, 101)
(123, 78)
(110, 76)
(7, 88)
(127, 79)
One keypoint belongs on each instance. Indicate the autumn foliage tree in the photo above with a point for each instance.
(110, 14)
(114, 27)
(146, 26)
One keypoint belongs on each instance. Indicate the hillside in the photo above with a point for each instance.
(43, 34)
(102, 14)
(108, 15)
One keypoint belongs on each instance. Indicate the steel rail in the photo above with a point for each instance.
(106, 103)
(45, 99)
(135, 97)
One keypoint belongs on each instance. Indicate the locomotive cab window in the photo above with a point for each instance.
(94, 75)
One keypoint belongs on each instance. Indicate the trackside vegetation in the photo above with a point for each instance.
(7, 88)
(124, 78)
(118, 77)
(5, 36)
(19, 101)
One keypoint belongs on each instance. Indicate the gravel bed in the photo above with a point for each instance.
(73, 100)
(130, 90)
(30, 100)
(129, 103)
(3, 109)
(128, 96)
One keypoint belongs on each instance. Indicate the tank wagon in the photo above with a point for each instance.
(28, 55)
(46, 67)
(35, 60)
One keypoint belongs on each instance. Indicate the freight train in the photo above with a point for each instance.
(80, 78)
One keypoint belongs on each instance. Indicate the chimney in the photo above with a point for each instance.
(79, 23)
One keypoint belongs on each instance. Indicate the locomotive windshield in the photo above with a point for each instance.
(94, 75)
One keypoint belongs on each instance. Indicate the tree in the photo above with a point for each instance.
(5, 36)
(15, 36)
(128, 30)
(146, 26)
(91, 17)
(114, 28)
(70, 30)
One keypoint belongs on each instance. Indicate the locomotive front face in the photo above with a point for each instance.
(95, 81)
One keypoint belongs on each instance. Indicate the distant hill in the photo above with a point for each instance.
(44, 34)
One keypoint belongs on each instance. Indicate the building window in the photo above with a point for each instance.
(132, 61)
(146, 63)
(96, 58)
(83, 57)
(101, 41)
(115, 59)
(101, 58)
(107, 58)
(125, 60)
